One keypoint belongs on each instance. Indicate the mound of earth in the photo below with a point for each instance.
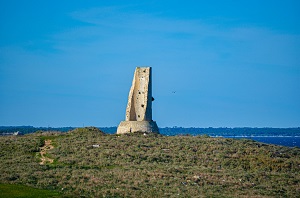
(87, 130)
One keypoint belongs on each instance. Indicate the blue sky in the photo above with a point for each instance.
(71, 63)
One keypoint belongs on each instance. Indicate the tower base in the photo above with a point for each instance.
(137, 126)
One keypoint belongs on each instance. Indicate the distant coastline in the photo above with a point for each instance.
(280, 136)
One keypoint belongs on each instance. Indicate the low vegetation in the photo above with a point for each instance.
(21, 191)
(88, 163)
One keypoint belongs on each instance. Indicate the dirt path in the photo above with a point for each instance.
(43, 152)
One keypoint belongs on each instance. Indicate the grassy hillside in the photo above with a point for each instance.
(21, 191)
(89, 163)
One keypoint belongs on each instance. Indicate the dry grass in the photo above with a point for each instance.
(43, 152)
(151, 166)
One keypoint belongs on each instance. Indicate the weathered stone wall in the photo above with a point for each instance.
(139, 106)
(137, 126)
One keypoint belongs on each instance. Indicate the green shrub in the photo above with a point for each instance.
(151, 165)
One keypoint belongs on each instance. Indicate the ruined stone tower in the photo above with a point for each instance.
(139, 107)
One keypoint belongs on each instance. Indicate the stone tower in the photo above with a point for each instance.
(139, 107)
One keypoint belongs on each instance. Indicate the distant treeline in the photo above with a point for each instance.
(31, 129)
(242, 131)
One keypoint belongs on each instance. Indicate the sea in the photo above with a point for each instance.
(279, 136)
(289, 141)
